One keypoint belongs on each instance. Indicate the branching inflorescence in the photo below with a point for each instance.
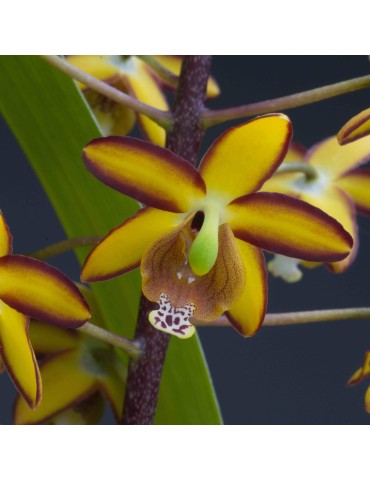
(198, 236)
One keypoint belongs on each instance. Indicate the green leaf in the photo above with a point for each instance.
(52, 123)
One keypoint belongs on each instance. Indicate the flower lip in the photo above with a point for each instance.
(165, 270)
(171, 319)
(285, 267)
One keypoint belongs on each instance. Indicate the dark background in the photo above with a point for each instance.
(283, 375)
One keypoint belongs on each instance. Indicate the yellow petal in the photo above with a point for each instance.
(170, 62)
(357, 185)
(173, 64)
(18, 356)
(282, 224)
(98, 66)
(152, 175)
(165, 270)
(41, 291)
(248, 312)
(362, 372)
(122, 249)
(356, 128)
(113, 387)
(245, 156)
(335, 160)
(282, 183)
(49, 339)
(337, 204)
(87, 412)
(64, 385)
(142, 85)
(113, 118)
(366, 366)
(5, 238)
(296, 153)
(213, 89)
(356, 377)
(310, 265)
(367, 400)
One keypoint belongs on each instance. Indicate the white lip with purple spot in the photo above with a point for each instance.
(173, 320)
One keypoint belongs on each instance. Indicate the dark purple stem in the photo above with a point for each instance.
(144, 375)
(187, 132)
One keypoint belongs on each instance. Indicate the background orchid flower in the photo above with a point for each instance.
(76, 371)
(29, 287)
(199, 241)
(132, 75)
(334, 184)
(357, 127)
(360, 374)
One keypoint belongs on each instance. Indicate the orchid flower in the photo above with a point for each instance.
(360, 374)
(199, 240)
(29, 287)
(76, 370)
(334, 184)
(131, 75)
(357, 127)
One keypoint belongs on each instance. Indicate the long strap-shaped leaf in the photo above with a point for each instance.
(52, 124)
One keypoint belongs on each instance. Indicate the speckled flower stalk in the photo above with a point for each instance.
(145, 374)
